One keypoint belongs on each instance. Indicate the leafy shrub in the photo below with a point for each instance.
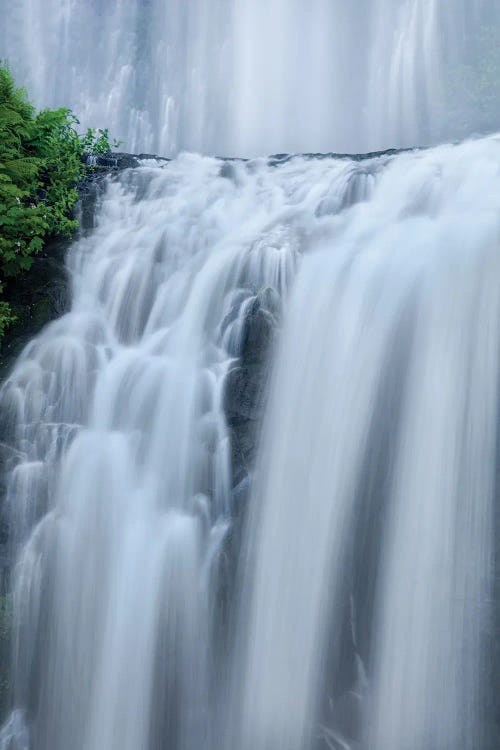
(97, 141)
(41, 162)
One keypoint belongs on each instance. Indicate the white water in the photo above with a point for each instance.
(380, 455)
(242, 78)
(368, 580)
(122, 452)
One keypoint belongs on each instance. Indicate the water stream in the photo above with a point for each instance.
(247, 78)
(363, 612)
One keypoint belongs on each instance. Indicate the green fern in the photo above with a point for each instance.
(41, 162)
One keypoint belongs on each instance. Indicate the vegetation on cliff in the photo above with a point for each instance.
(41, 163)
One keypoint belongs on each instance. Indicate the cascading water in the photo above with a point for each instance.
(121, 452)
(241, 77)
(365, 611)
(367, 608)
(342, 591)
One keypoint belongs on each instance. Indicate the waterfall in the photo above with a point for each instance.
(249, 480)
(361, 615)
(234, 77)
(121, 476)
(366, 612)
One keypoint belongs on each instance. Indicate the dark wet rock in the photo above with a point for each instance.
(241, 492)
(113, 160)
(258, 333)
(246, 383)
(243, 447)
(153, 156)
(37, 297)
(244, 393)
(278, 159)
(90, 191)
(119, 160)
(244, 402)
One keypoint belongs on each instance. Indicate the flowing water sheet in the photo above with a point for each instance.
(253, 77)
(364, 615)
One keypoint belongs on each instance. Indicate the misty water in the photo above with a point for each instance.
(252, 472)
(253, 77)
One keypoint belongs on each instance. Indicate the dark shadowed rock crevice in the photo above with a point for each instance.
(37, 297)
(246, 384)
(245, 398)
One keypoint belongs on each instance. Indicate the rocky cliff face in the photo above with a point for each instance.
(38, 296)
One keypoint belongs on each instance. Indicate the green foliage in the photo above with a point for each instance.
(6, 316)
(97, 141)
(41, 163)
